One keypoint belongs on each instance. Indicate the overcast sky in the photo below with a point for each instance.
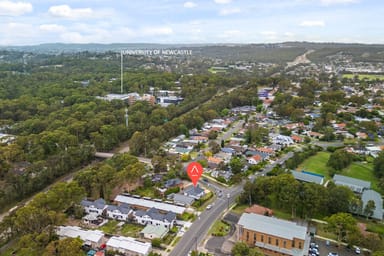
(193, 21)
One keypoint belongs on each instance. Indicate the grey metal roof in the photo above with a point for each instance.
(272, 226)
(149, 203)
(172, 182)
(156, 215)
(306, 177)
(376, 197)
(193, 191)
(124, 208)
(356, 185)
(99, 203)
(178, 198)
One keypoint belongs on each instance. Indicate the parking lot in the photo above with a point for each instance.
(324, 249)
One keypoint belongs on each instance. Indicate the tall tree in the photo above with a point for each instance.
(342, 225)
(369, 208)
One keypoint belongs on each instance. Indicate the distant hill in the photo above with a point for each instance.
(274, 53)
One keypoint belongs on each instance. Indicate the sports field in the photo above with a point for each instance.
(364, 76)
(358, 170)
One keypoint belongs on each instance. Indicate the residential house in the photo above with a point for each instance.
(361, 135)
(97, 206)
(182, 199)
(273, 236)
(128, 246)
(316, 135)
(144, 204)
(254, 159)
(252, 152)
(174, 183)
(297, 138)
(266, 150)
(340, 126)
(120, 212)
(281, 139)
(194, 192)
(356, 185)
(92, 237)
(377, 199)
(153, 216)
(214, 162)
(152, 231)
(308, 177)
(228, 150)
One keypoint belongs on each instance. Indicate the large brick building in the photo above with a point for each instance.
(273, 236)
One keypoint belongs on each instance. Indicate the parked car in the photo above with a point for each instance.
(333, 254)
(357, 250)
(209, 206)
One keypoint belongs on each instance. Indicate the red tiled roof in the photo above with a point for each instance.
(258, 209)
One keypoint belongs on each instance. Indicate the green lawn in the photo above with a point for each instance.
(375, 227)
(364, 76)
(110, 227)
(239, 209)
(219, 228)
(145, 192)
(357, 170)
(363, 171)
(316, 164)
(132, 230)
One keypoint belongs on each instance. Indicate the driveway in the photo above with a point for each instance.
(215, 243)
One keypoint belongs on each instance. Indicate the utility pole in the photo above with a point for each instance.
(121, 71)
(126, 117)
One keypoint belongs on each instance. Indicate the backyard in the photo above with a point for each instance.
(127, 229)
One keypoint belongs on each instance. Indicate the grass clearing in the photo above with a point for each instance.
(145, 192)
(110, 227)
(316, 164)
(220, 228)
(282, 215)
(239, 209)
(375, 227)
(364, 76)
(363, 171)
(131, 230)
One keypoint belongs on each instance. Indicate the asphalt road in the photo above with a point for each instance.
(198, 231)
(226, 135)
(200, 227)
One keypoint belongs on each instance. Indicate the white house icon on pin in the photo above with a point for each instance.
(194, 171)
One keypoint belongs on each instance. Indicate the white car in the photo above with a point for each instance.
(209, 206)
(357, 250)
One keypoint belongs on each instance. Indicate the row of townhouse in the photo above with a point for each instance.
(124, 212)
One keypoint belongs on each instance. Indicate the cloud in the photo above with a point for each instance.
(156, 31)
(65, 11)
(8, 8)
(222, 1)
(51, 28)
(229, 11)
(331, 2)
(312, 23)
(190, 4)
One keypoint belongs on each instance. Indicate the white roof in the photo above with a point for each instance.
(149, 204)
(375, 197)
(85, 235)
(272, 226)
(130, 244)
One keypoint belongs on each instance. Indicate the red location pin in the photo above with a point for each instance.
(194, 170)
